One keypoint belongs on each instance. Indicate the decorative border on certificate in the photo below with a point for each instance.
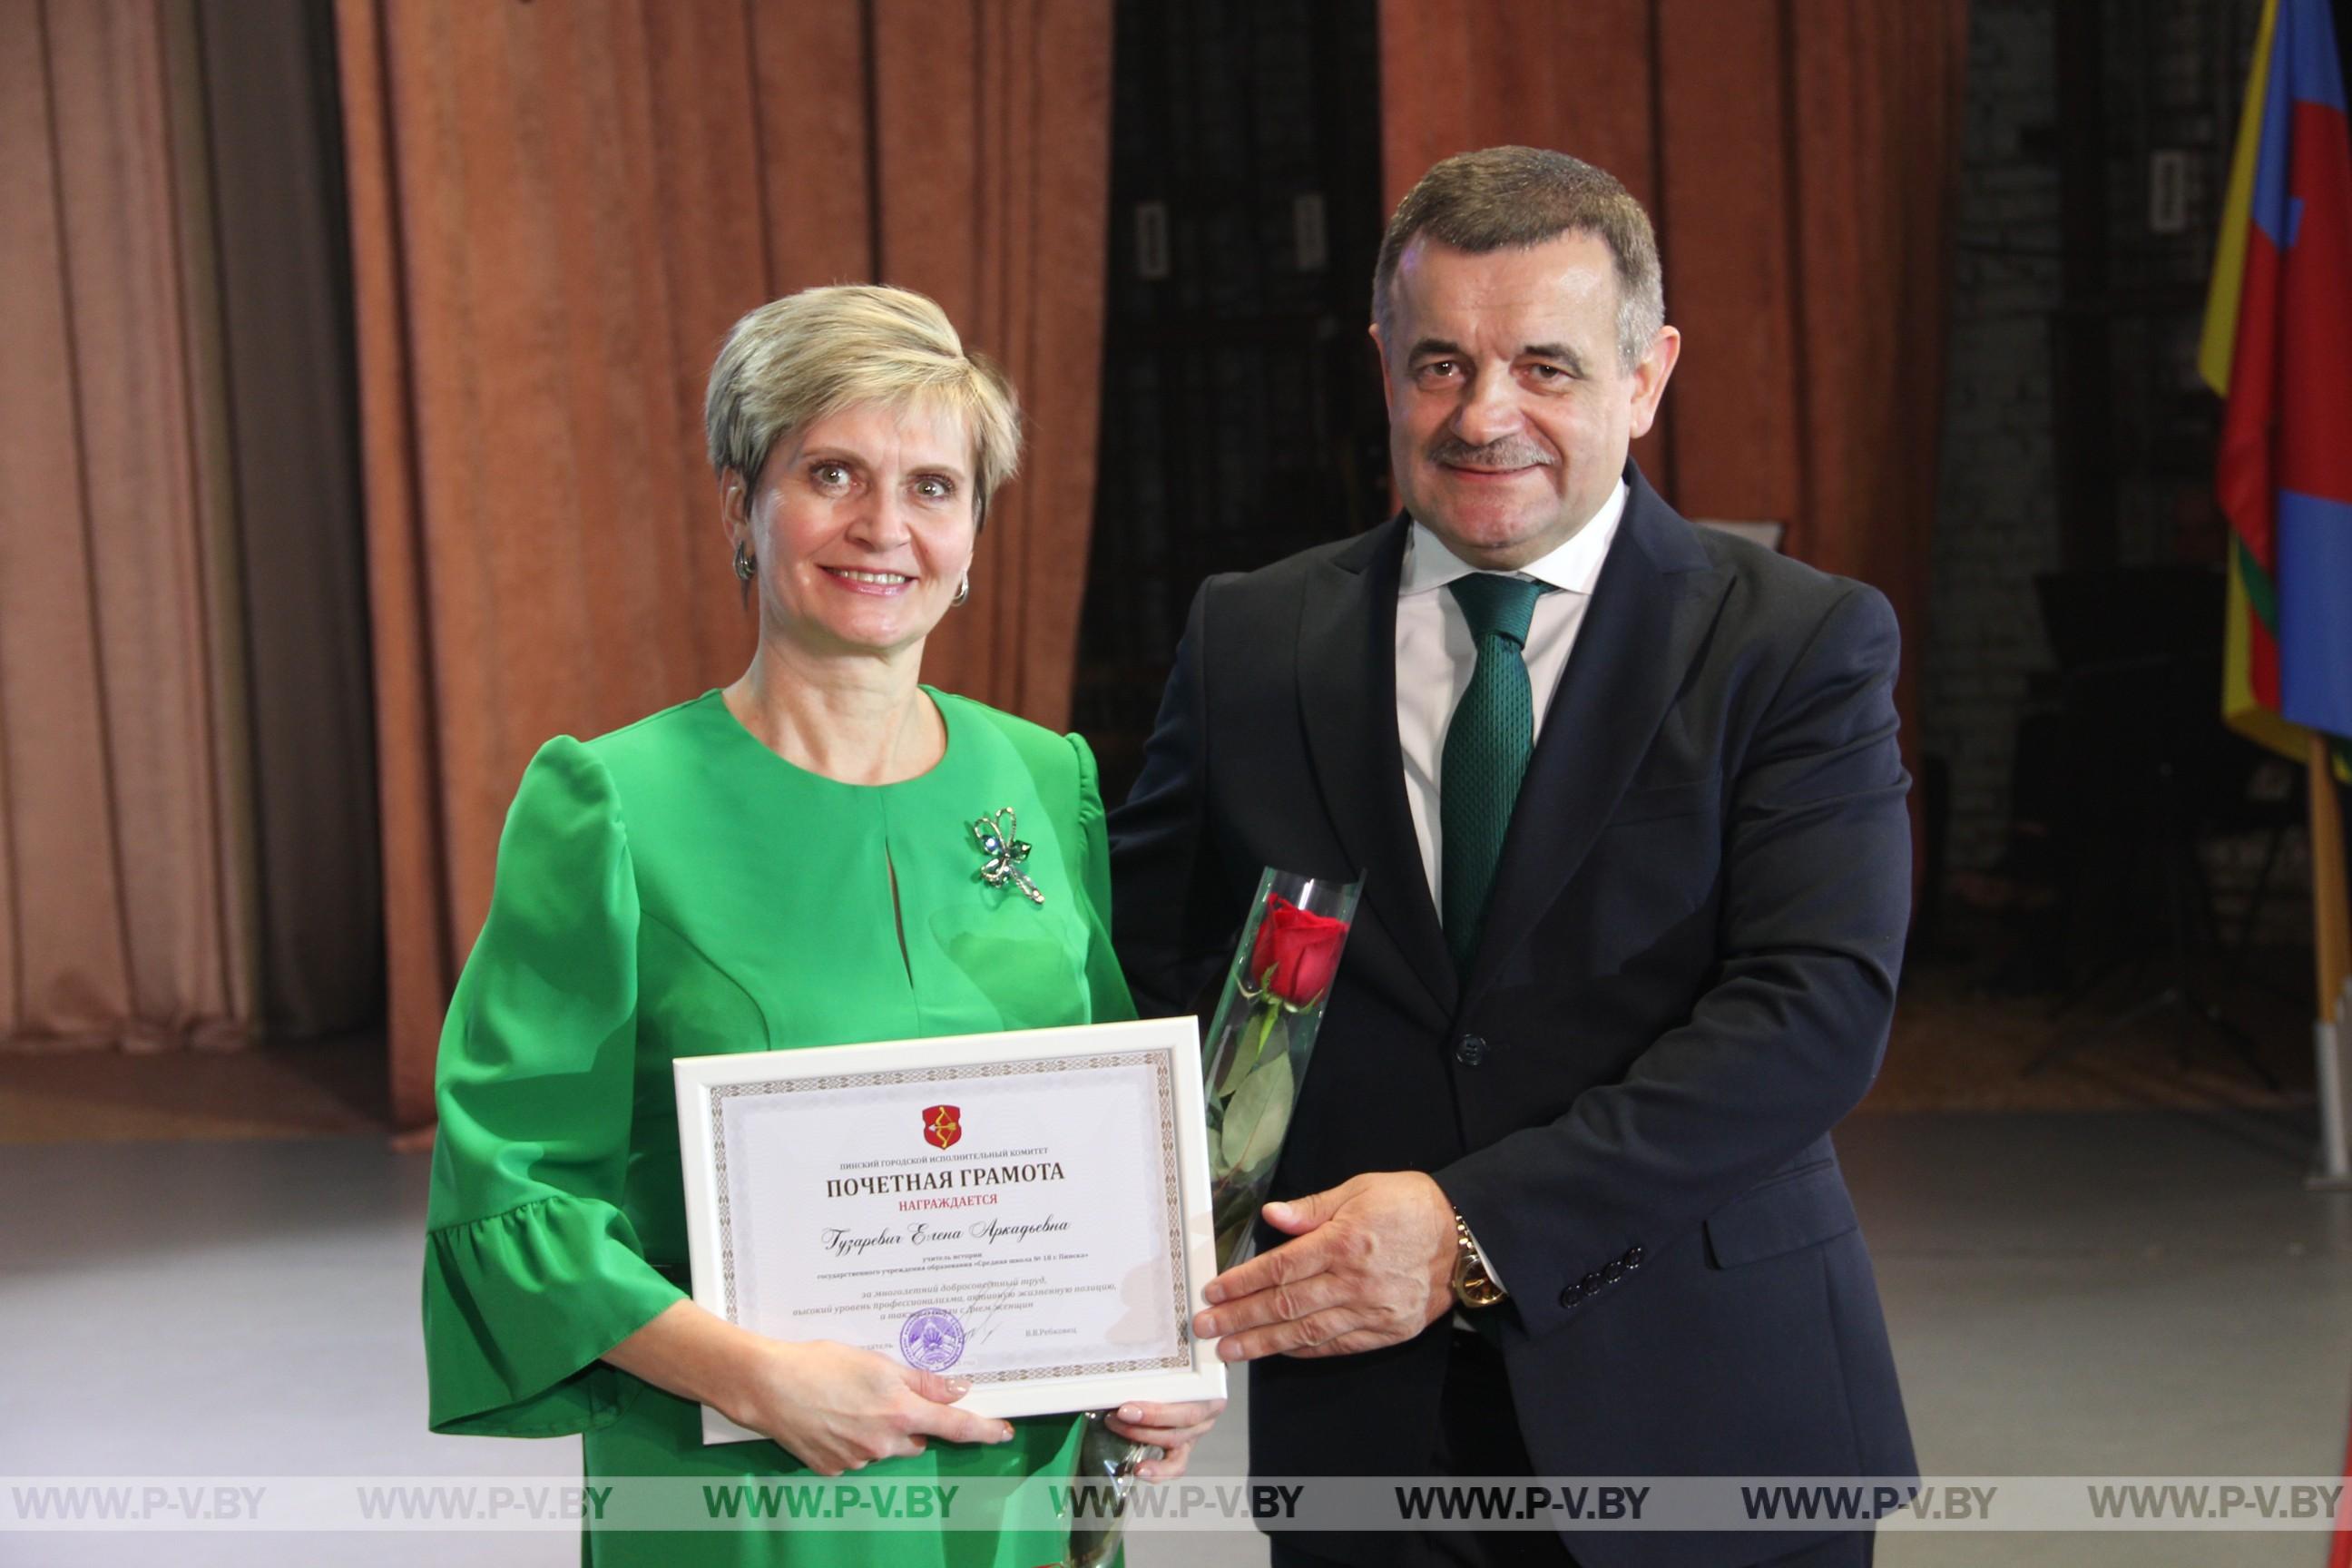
(1049, 1244)
(1172, 1197)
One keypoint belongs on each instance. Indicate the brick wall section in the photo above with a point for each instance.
(1996, 522)
(2174, 71)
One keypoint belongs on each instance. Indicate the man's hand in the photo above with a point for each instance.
(1371, 1264)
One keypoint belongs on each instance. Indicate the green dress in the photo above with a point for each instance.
(675, 888)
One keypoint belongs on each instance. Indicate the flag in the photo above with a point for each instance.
(2277, 346)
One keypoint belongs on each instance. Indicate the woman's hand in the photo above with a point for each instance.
(1174, 1427)
(834, 1406)
(838, 1408)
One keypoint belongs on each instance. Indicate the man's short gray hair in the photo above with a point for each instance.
(809, 355)
(1506, 198)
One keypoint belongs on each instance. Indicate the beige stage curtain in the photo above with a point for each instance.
(124, 842)
(187, 820)
(557, 210)
(274, 165)
(1798, 158)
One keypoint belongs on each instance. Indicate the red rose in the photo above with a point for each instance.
(1300, 948)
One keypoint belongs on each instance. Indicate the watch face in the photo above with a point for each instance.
(1471, 1288)
(1480, 1292)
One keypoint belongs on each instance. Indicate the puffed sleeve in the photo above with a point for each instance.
(531, 1270)
(1110, 1000)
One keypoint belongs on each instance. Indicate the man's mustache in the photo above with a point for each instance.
(1511, 452)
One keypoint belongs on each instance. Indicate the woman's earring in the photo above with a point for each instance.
(963, 592)
(746, 563)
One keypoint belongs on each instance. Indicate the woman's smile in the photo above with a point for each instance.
(883, 582)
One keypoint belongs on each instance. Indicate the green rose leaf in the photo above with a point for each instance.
(1257, 1031)
(1257, 1116)
(1256, 1175)
(1238, 1064)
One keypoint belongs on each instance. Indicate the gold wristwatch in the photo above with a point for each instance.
(1472, 1286)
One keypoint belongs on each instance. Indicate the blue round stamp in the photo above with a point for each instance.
(932, 1339)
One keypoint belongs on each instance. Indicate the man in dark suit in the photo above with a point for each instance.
(1626, 801)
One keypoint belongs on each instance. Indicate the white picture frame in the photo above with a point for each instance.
(1101, 1118)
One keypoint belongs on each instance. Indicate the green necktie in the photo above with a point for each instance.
(1487, 745)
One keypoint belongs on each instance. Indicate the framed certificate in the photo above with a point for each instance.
(1029, 1210)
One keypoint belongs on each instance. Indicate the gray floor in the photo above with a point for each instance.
(2121, 1293)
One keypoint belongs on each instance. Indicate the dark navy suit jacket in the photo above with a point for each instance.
(1686, 979)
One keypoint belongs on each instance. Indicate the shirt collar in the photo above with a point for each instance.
(1428, 565)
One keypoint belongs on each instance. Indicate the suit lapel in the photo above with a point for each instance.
(1651, 606)
(1346, 689)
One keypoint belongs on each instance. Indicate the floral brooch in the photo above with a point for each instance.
(1005, 854)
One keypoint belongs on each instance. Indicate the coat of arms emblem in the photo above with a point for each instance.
(942, 1125)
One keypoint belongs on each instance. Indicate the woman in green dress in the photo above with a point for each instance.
(786, 862)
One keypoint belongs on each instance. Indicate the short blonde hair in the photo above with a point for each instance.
(809, 355)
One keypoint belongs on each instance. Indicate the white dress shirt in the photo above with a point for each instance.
(1435, 657)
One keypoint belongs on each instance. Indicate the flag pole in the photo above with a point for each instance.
(2331, 923)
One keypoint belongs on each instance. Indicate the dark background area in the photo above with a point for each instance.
(1241, 416)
